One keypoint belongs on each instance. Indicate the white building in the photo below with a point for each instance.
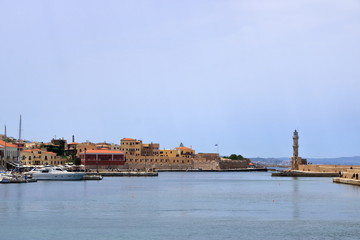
(8, 152)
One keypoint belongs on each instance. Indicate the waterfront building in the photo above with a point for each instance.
(72, 146)
(102, 159)
(182, 151)
(70, 150)
(34, 157)
(115, 147)
(168, 153)
(81, 147)
(159, 162)
(131, 146)
(32, 145)
(148, 156)
(8, 153)
(150, 149)
(103, 145)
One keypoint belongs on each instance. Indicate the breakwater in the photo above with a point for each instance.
(127, 174)
(221, 170)
(291, 173)
(346, 181)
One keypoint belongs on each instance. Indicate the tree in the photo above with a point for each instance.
(236, 157)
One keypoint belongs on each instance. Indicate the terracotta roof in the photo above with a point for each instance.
(36, 150)
(72, 143)
(27, 150)
(184, 148)
(102, 152)
(128, 139)
(49, 153)
(3, 143)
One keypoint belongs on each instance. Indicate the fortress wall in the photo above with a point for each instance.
(327, 168)
(233, 164)
(206, 164)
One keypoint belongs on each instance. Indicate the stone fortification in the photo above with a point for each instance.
(233, 164)
(171, 163)
(327, 168)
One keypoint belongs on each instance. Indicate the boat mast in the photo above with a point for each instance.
(18, 152)
(4, 157)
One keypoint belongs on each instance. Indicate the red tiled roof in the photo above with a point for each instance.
(36, 150)
(49, 153)
(102, 152)
(128, 139)
(27, 150)
(72, 143)
(184, 148)
(3, 143)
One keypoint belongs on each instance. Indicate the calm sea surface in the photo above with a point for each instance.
(229, 205)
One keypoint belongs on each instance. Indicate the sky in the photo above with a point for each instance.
(240, 74)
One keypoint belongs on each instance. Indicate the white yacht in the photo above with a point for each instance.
(55, 173)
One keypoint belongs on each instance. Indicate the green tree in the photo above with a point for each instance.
(235, 157)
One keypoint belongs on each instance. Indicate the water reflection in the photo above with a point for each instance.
(295, 198)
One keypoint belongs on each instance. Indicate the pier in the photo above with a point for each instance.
(217, 170)
(346, 181)
(123, 174)
(292, 173)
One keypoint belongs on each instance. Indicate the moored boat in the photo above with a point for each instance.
(55, 173)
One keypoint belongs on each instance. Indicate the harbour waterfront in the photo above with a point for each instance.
(180, 205)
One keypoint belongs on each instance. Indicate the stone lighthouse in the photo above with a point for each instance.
(295, 159)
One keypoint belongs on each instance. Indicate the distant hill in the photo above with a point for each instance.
(285, 161)
(338, 161)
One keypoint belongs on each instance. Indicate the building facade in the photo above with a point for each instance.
(35, 157)
(8, 153)
(102, 159)
(131, 147)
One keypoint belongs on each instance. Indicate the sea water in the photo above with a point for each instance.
(186, 205)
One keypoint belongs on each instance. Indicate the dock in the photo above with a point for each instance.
(17, 180)
(292, 173)
(216, 170)
(346, 181)
(92, 177)
(124, 174)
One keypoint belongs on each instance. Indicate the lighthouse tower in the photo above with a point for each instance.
(295, 159)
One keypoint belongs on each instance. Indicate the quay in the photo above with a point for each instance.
(17, 180)
(217, 170)
(92, 177)
(346, 181)
(293, 173)
(351, 176)
(122, 174)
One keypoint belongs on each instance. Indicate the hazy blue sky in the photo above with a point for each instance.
(241, 74)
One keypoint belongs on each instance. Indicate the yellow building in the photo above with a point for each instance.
(131, 147)
(40, 157)
(168, 153)
(80, 147)
(150, 149)
(185, 152)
